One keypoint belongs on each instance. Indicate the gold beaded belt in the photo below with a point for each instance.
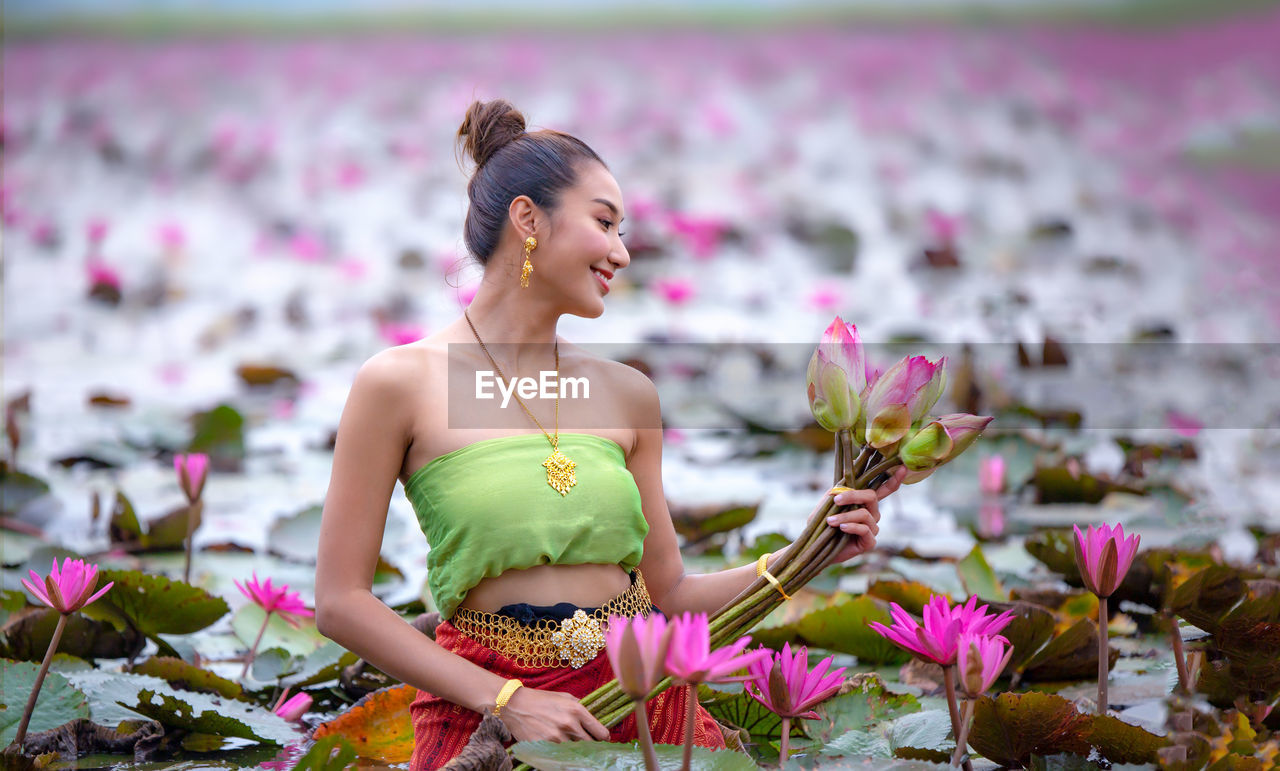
(548, 643)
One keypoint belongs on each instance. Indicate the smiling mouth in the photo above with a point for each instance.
(604, 283)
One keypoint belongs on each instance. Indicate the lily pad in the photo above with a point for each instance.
(978, 578)
(188, 677)
(740, 711)
(911, 596)
(59, 702)
(165, 533)
(1028, 632)
(17, 489)
(298, 642)
(594, 755)
(922, 735)
(378, 725)
(698, 522)
(1012, 727)
(1121, 742)
(1071, 655)
(220, 434)
(28, 632)
(840, 626)
(154, 604)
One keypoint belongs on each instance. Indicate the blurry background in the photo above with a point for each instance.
(213, 213)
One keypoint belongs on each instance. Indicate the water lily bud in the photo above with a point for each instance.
(927, 448)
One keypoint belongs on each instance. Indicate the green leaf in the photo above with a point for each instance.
(154, 604)
(1054, 549)
(188, 677)
(911, 596)
(17, 489)
(859, 744)
(739, 710)
(298, 642)
(1013, 726)
(28, 632)
(840, 626)
(765, 543)
(295, 537)
(321, 665)
(123, 526)
(1032, 626)
(321, 756)
(59, 702)
(116, 696)
(220, 433)
(1071, 655)
(922, 736)
(1208, 594)
(592, 756)
(1121, 742)
(978, 578)
(859, 709)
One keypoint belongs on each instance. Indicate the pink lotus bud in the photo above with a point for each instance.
(900, 398)
(192, 470)
(1104, 556)
(637, 650)
(943, 228)
(294, 708)
(836, 377)
(991, 474)
(980, 659)
(674, 291)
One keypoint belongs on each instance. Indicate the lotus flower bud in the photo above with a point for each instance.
(836, 377)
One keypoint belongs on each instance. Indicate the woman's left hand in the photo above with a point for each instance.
(862, 522)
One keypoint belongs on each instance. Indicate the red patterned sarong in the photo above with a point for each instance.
(441, 728)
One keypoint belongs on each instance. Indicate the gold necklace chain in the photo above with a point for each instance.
(560, 469)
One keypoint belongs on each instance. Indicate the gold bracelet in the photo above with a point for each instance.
(762, 570)
(504, 695)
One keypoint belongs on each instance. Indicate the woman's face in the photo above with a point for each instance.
(582, 248)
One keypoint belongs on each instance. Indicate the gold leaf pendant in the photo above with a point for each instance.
(560, 472)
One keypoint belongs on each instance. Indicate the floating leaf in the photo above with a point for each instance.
(840, 626)
(595, 755)
(17, 489)
(154, 604)
(187, 677)
(321, 665)
(912, 596)
(1028, 632)
(740, 711)
(220, 434)
(1121, 742)
(1206, 595)
(378, 725)
(59, 702)
(698, 522)
(1069, 656)
(298, 642)
(1013, 726)
(28, 632)
(321, 756)
(868, 702)
(978, 578)
(859, 744)
(922, 736)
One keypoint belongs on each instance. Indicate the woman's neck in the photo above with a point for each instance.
(514, 328)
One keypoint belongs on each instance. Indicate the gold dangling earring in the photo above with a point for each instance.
(530, 244)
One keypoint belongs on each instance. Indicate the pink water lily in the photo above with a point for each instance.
(690, 659)
(785, 684)
(101, 274)
(193, 469)
(836, 377)
(69, 589)
(674, 291)
(938, 638)
(275, 599)
(980, 659)
(637, 650)
(900, 398)
(1104, 556)
(991, 474)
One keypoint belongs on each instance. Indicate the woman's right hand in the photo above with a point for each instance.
(531, 714)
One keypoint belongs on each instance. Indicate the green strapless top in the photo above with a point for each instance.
(487, 508)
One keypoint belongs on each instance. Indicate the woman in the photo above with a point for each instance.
(536, 532)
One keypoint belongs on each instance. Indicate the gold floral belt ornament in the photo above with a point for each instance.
(549, 643)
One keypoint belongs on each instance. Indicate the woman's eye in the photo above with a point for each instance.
(607, 223)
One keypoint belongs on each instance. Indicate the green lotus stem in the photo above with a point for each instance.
(962, 742)
(866, 457)
(35, 688)
(646, 739)
(193, 511)
(254, 649)
(786, 741)
(690, 723)
(840, 461)
(949, 681)
(1104, 656)
(1179, 658)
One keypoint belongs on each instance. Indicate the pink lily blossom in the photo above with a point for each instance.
(690, 659)
(674, 291)
(1104, 556)
(901, 397)
(938, 639)
(701, 234)
(102, 275)
(785, 685)
(637, 649)
(980, 659)
(69, 589)
(275, 599)
(943, 228)
(193, 469)
(991, 474)
(294, 708)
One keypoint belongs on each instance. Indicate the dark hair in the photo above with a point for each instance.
(511, 163)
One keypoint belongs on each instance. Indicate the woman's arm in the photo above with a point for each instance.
(675, 591)
(373, 433)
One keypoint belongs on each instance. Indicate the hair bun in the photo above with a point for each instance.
(487, 127)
